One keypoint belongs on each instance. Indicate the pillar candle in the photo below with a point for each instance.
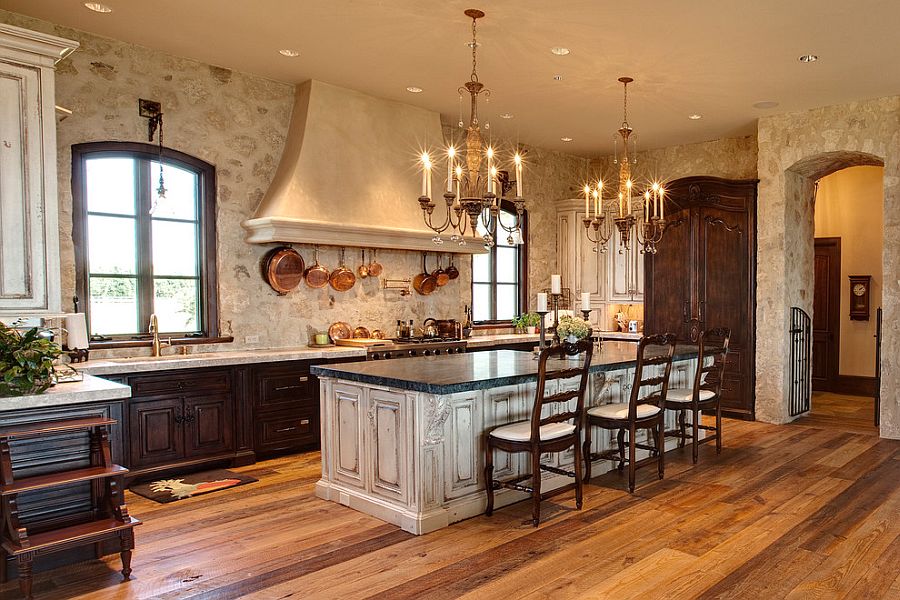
(76, 331)
(555, 284)
(585, 301)
(662, 212)
(542, 302)
(451, 153)
(587, 202)
(518, 175)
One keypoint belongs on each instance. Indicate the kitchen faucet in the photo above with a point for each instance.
(154, 331)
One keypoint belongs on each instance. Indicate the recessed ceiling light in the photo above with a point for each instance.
(808, 58)
(566, 139)
(695, 117)
(97, 7)
(289, 53)
(765, 104)
(506, 116)
(559, 50)
(414, 90)
(557, 77)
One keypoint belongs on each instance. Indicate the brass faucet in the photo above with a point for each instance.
(154, 331)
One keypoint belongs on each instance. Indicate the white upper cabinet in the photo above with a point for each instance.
(29, 236)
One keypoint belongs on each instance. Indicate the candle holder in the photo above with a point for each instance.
(555, 298)
(543, 315)
(586, 314)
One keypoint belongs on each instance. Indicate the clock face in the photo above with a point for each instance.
(859, 289)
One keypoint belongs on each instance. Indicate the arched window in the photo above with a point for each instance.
(499, 277)
(137, 253)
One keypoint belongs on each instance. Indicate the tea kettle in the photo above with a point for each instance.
(429, 328)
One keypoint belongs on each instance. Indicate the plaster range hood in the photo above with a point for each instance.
(349, 175)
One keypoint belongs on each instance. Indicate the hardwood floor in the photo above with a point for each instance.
(784, 512)
(840, 411)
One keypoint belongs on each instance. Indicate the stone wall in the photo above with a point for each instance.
(731, 158)
(795, 149)
(238, 123)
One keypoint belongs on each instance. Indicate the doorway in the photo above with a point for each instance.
(826, 322)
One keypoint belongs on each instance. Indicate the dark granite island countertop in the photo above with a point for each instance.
(473, 371)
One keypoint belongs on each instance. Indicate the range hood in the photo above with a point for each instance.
(349, 174)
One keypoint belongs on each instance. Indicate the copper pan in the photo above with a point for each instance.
(316, 275)
(442, 277)
(362, 271)
(283, 269)
(375, 268)
(342, 278)
(452, 271)
(424, 283)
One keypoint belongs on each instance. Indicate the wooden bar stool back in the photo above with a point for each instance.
(644, 410)
(712, 348)
(542, 434)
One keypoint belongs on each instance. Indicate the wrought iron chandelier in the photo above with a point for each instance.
(637, 214)
(475, 183)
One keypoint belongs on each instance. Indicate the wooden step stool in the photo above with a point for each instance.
(112, 519)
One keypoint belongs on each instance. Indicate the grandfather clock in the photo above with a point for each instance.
(860, 291)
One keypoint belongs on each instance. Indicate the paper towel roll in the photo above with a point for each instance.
(76, 331)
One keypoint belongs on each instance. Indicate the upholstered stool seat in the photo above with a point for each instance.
(687, 394)
(619, 410)
(521, 431)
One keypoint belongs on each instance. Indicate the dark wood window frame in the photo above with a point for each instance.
(209, 314)
(508, 206)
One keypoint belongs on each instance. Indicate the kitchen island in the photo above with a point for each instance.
(402, 440)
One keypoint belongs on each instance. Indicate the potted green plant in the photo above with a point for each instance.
(26, 361)
(532, 322)
(519, 324)
(571, 329)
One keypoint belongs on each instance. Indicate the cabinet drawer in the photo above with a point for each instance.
(276, 432)
(283, 388)
(185, 384)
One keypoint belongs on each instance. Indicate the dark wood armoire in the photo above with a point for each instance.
(704, 275)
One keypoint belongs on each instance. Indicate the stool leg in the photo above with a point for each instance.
(489, 475)
(536, 487)
(587, 453)
(24, 562)
(127, 545)
(661, 446)
(681, 427)
(578, 482)
(695, 442)
(621, 439)
(631, 452)
(718, 427)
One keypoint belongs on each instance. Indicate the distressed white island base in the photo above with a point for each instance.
(402, 440)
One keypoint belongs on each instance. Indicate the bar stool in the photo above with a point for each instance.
(640, 412)
(538, 435)
(705, 393)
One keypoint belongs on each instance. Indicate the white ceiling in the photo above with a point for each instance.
(711, 57)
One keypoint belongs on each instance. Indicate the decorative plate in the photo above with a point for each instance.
(361, 332)
(339, 331)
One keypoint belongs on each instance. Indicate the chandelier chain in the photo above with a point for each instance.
(474, 76)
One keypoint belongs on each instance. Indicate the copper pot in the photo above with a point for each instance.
(283, 269)
(342, 278)
(375, 268)
(316, 275)
(452, 271)
(424, 283)
(363, 270)
(441, 275)
(445, 327)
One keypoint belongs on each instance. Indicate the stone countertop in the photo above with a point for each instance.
(115, 366)
(472, 371)
(618, 335)
(482, 341)
(91, 389)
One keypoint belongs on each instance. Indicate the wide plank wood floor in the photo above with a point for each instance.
(784, 512)
(841, 411)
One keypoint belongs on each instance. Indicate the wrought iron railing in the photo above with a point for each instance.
(801, 361)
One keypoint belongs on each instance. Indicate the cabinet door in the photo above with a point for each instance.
(208, 424)
(389, 433)
(347, 424)
(29, 270)
(155, 432)
(668, 305)
(621, 270)
(507, 405)
(565, 247)
(463, 444)
(591, 271)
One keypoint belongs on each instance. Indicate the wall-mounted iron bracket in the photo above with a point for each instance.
(153, 111)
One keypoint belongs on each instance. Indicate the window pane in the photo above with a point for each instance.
(174, 248)
(481, 302)
(507, 306)
(113, 305)
(507, 264)
(111, 245)
(110, 185)
(176, 304)
(182, 189)
(481, 267)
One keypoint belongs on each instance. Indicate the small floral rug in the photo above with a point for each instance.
(189, 486)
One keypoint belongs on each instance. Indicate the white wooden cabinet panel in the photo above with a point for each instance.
(348, 414)
(387, 443)
(29, 236)
(506, 405)
(463, 445)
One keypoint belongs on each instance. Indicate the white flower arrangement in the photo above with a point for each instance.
(573, 326)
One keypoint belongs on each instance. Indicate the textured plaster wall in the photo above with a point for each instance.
(238, 122)
(794, 150)
(849, 206)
